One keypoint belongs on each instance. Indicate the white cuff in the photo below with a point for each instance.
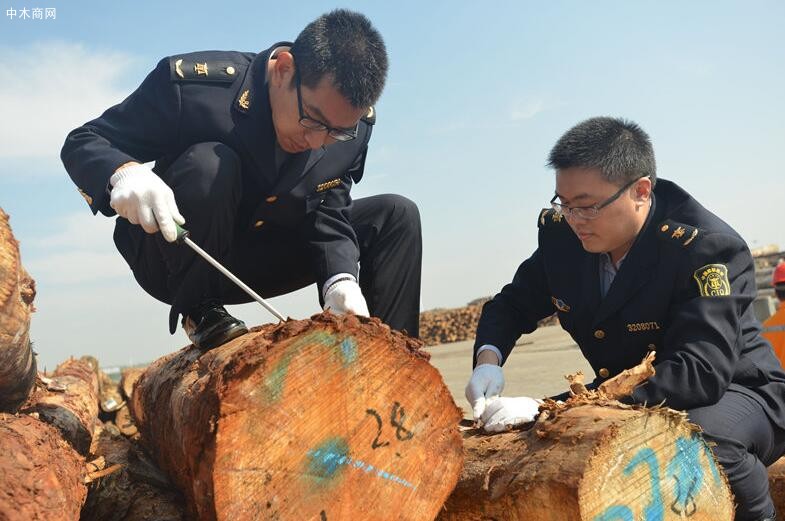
(489, 347)
(332, 279)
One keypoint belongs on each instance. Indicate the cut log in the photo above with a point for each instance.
(109, 396)
(328, 418)
(125, 486)
(128, 378)
(598, 462)
(17, 291)
(70, 402)
(777, 485)
(125, 423)
(41, 475)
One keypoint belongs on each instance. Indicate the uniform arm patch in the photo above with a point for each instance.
(713, 280)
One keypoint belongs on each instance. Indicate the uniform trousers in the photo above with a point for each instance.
(207, 182)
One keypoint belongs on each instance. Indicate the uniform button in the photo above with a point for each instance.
(603, 372)
(230, 71)
(258, 224)
(664, 227)
(272, 199)
(599, 334)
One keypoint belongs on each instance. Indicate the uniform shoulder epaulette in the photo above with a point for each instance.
(192, 67)
(370, 116)
(677, 233)
(549, 217)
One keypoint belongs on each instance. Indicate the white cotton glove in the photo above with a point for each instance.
(505, 412)
(486, 383)
(143, 198)
(345, 296)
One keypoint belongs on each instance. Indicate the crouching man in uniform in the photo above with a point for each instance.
(633, 264)
(256, 155)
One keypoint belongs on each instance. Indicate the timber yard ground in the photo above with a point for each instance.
(536, 367)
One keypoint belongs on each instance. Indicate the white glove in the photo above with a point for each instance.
(486, 383)
(505, 412)
(143, 198)
(345, 296)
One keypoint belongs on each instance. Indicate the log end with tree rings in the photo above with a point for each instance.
(591, 462)
(332, 418)
(17, 291)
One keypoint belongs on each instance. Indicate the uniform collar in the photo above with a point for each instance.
(253, 96)
(636, 269)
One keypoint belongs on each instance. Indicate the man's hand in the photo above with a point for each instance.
(505, 412)
(345, 296)
(143, 198)
(486, 383)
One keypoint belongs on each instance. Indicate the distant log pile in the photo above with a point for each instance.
(441, 326)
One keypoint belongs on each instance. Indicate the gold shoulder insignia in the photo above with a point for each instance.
(549, 216)
(332, 183)
(713, 280)
(370, 116)
(194, 67)
(682, 234)
(244, 102)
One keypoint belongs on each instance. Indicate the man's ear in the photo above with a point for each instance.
(283, 69)
(643, 190)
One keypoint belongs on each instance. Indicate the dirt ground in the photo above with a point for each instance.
(536, 367)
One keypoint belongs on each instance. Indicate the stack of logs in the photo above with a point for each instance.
(441, 326)
(328, 418)
(61, 455)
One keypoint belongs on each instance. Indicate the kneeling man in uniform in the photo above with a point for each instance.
(256, 154)
(632, 264)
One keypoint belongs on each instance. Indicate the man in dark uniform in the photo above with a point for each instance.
(633, 264)
(256, 155)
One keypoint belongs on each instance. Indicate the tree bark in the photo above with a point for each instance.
(328, 418)
(125, 486)
(600, 461)
(777, 485)
(69, 402)
(42, 467)
(17, 291)
(41, 475)
(128, 379)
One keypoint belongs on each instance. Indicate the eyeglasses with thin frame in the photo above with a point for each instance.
(593, 211)
(338, 134)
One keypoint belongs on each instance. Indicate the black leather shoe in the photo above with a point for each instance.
(210, 326)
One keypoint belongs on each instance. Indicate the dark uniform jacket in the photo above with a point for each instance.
(684, 290)
(217, 96)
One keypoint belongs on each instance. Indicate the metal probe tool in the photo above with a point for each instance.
(182, 237)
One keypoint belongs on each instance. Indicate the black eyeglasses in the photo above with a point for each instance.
(593, 211)
(338, 134)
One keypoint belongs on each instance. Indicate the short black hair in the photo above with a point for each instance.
(344, 45)
(618, 147)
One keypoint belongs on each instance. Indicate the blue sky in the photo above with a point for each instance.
(476, 96)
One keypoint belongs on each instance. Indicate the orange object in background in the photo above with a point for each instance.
(774, 327)
(774, 332)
